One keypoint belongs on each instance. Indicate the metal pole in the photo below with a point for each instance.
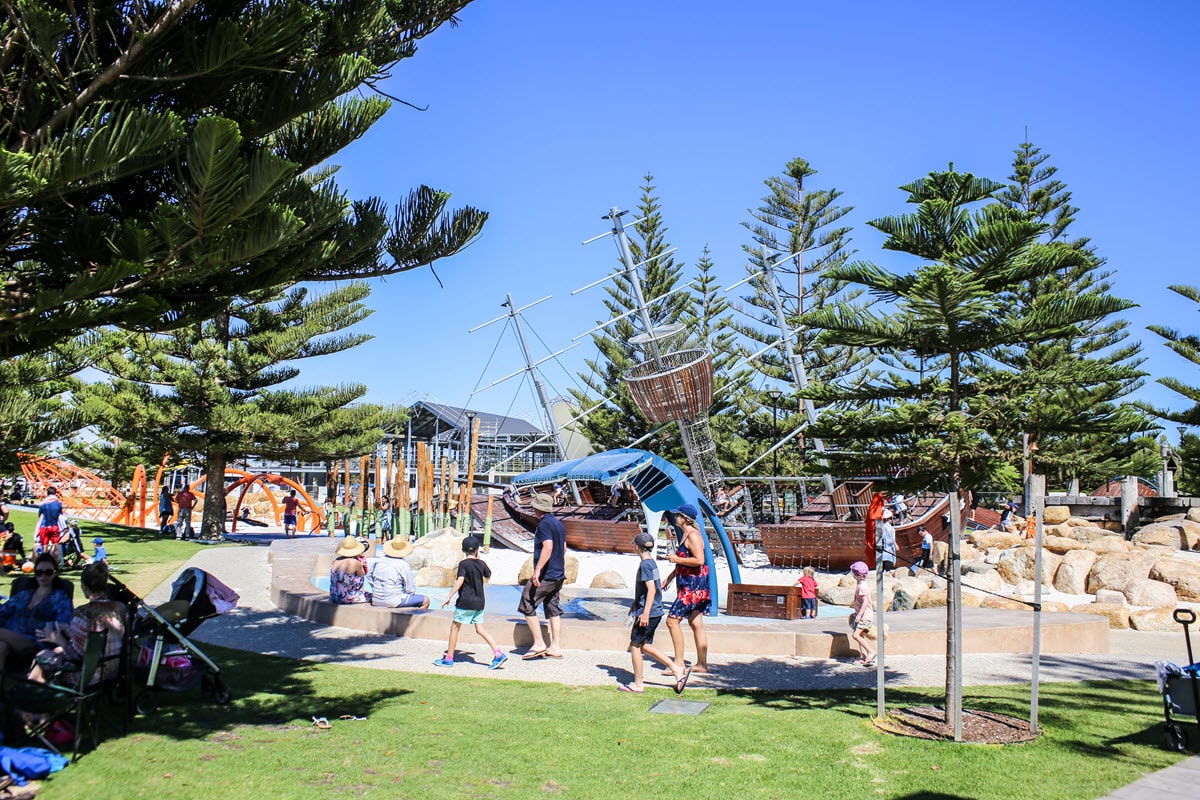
(799, 373)
(880, 672)
(955, 601)
(1037, 487)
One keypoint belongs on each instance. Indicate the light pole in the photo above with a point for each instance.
(774, 393)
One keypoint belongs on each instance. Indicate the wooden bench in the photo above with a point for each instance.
(759, 600)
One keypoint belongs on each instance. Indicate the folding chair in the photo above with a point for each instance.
(44, 704)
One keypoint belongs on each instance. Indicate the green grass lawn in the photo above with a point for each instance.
(441, 736)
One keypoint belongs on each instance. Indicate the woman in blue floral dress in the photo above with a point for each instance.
(692, 596)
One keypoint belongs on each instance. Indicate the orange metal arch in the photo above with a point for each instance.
(315, 518)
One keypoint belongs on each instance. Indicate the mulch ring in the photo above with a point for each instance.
(978, 727)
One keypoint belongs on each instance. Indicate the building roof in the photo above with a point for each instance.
(429, 418)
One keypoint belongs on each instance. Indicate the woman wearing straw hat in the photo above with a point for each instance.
(348, 575)
(392, 584)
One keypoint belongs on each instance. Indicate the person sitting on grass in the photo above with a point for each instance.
(472, 572)
(863, 616)
(646, 611)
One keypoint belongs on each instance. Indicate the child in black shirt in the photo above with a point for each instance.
(472, 572)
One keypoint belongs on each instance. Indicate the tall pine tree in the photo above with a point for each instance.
(222, 390)
(1073, 404)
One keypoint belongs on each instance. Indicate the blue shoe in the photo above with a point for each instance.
(498, 660)
(444, 662)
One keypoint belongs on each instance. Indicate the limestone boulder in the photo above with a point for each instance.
(1061, 544)
(442, 548)
(436, 576)
(1056, 530)
(1191, 534)
(1078, 522)
(1154, 619)
(1147, 592)
(1054, 605)
(1163, 534)
(969, 552)
(826, 581)
(1018, 564)
(1089, 533)
(940, 555)
(903, 601)
(1056, 515)
(986, 540)
(1006, 603)
(1110, 596)
(1072, 574)
(609, 579)
(932, 598)
(978, 565)
(914, 586)
(1183, 576)
(570, 566)
(1025, 588)
(1111, 544)
(1117, 615)
(987, 581)
(1114, 570)
(1193, 514)
(972, 599)
(847, 580)
(837, 595)
(1112, 525)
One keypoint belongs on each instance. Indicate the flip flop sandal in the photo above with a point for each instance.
(352, 717)
(625, 687)
(553, 655)
(532, 654)
(681, 684)
(322, 723)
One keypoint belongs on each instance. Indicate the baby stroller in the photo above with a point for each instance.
(1180, 687)
(167, 659)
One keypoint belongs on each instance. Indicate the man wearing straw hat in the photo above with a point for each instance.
(549, 574)
(392, 584)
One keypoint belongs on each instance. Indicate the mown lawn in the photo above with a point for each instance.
(440, 736)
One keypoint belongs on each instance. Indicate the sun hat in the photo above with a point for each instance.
(859, 568)
(97, 540)
(887, 513)
(351, 547)
(397, 548)
(688, 510)
(643, 540)
(543, 503)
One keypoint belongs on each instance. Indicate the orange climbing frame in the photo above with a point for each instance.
(85, 494)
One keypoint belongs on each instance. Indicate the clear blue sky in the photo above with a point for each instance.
(545, 114)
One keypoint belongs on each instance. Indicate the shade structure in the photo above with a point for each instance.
(659, 484)
(676, 386)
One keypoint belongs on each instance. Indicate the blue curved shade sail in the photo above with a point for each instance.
(661, 487)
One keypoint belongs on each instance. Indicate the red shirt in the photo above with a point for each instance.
(185, 500)
(290, 504)
(808, 587)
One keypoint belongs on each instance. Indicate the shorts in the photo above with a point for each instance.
(412, 601)
(888, 566)
(808, 604)
(639, 636)
(289, 519)
(47, 535)
(864, 624)
(467, 616)
(544, 594)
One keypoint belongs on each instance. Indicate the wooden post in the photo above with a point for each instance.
(377, 480)
(487, 525)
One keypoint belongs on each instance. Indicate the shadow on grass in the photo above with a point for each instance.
(267, 691)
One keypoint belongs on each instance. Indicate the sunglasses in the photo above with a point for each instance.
(43, 572)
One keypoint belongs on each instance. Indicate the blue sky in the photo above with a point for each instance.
(545, 114)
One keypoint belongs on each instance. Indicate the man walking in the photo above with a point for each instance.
(166, 509)
(185, 501)
(290, 506)
(549, 574)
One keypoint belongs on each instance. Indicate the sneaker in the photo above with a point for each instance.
(444, 662)
(498, 660)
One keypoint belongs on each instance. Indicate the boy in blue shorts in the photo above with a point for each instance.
(646, 611)
(472, 572)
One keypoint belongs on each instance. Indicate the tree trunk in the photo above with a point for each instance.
(213, 524)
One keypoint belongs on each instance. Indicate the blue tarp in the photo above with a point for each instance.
(660, 486)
